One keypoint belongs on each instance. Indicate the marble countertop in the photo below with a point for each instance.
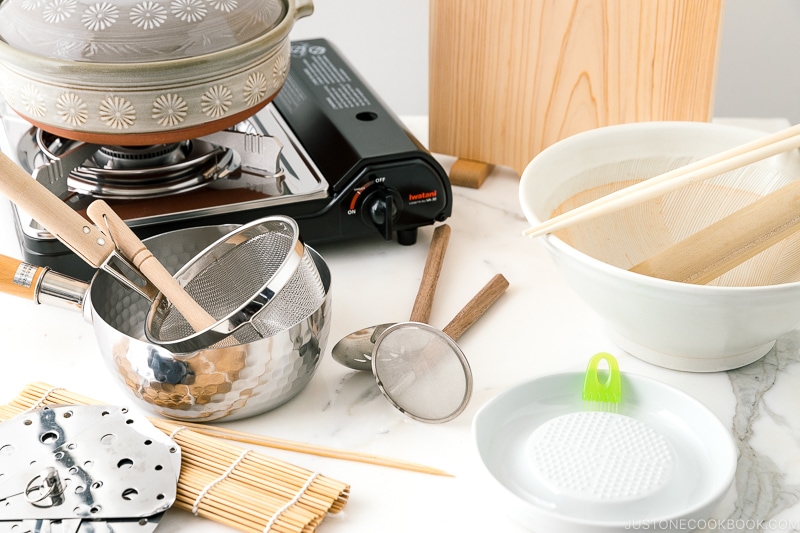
(538, 327)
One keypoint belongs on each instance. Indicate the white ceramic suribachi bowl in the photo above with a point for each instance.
(728, 323)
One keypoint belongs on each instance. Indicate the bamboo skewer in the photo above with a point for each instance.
(700, 170)
(237, 487)
(59, 396)
(312, 449)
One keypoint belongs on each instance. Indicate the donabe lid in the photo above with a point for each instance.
(133, 31)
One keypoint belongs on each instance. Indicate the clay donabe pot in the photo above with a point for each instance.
(140, 72)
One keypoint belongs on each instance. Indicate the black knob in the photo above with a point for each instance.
(381, 207)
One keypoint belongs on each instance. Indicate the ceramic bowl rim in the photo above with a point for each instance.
(554, 244)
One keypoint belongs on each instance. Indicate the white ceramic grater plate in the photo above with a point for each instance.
(660, 461)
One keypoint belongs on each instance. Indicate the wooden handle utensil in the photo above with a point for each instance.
(133, 249)
(421, 311)
(476, 307)
(54, 214)
(714, 250)
(696, 172)
(18, 278)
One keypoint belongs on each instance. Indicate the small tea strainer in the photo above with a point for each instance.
(256, 281)
(421, 370)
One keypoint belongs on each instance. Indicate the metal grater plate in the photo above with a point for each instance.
(85, 462)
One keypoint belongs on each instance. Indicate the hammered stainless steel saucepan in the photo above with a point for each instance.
(252, 283)
(203, 385)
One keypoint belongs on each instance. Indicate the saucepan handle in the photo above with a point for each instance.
(40, 284)
(18, 278)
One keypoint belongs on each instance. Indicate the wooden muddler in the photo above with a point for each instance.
(135, 251)
(716, 249)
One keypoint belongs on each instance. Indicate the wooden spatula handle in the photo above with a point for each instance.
(137, 253)
(729, 242)
(476, 307)
(53, 213)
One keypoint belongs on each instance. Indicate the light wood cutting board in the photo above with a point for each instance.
(508, 78)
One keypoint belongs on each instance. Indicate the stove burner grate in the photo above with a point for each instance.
(140, 156)
(141, 172)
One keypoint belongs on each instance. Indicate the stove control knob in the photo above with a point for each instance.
(381, 206)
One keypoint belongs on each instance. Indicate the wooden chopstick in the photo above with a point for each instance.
(700, 170)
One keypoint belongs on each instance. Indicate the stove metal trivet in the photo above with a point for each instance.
(150, 171)
(85, 469)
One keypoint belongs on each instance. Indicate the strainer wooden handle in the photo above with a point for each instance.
(430, 274)
(729, 242)
(135, 251)
(476, 307)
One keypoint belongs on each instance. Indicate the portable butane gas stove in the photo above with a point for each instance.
(326, 152)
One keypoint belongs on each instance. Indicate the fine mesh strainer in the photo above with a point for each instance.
(421, 370)
(256, 282)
